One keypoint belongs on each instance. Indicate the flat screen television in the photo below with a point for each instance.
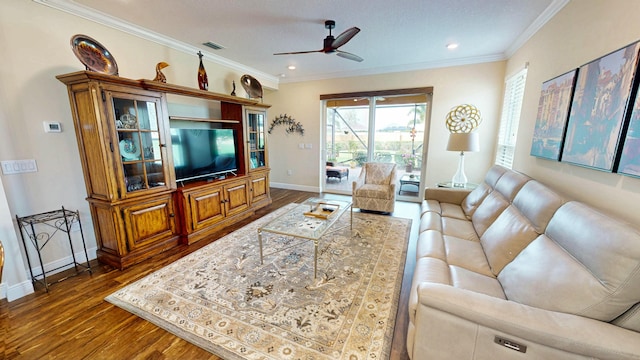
(202, 153)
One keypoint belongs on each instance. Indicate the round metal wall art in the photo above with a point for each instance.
(463, 118)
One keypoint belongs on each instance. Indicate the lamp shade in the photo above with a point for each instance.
(463, 142)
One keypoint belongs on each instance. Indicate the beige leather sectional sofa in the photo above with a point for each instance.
(512, 270)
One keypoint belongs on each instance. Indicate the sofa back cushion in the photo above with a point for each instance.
(505, 189)
(538, 203)
(519, 224)
(585, 264)
(471, 202)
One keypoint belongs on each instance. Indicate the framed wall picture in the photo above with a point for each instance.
(553, 111)
(630, 156)
(598, 109)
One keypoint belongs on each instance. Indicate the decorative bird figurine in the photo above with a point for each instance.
(159, 75)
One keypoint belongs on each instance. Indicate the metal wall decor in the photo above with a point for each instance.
(463, 118)
(291, 124)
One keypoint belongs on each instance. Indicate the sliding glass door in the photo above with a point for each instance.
(388, 128)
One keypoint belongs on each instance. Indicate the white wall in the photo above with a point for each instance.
(479, 84)
(582, 31)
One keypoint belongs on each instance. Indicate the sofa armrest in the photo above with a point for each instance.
(540, 328)
(395, 180)
(446, 195)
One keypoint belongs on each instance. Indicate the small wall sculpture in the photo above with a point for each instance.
(291, 124)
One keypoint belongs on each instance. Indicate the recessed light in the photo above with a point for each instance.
(291, 67)
(452, 46)
(283, 75)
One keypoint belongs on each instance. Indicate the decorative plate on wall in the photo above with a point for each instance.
(93, 55)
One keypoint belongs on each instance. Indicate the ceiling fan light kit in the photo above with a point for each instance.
(331, 43)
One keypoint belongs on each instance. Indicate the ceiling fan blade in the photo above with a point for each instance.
(298, 52)
(349, 56)
(345, 37)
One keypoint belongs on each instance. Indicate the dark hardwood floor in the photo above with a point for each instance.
(73, 321)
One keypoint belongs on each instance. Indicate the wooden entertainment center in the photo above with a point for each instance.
(123, 129)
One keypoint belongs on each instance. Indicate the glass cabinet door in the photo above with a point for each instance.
(256, 129)
(136, 123)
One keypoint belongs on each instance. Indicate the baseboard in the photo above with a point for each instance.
(65, 263)
(16, 291)
(294, 187)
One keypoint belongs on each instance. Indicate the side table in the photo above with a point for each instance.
(53, 221)
(408, 179)
(449, 184)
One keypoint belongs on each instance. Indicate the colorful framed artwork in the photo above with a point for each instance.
(630, 155)
(553, 111)
(598, 109)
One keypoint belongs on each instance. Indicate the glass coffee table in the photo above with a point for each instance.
(298, 224)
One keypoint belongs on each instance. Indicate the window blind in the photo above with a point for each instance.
(511, 107)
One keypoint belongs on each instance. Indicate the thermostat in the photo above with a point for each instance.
(52, 126)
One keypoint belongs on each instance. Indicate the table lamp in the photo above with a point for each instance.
(462, 142)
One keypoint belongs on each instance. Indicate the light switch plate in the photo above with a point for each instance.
(18, 166)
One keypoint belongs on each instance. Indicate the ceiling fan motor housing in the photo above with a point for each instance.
(329, 24)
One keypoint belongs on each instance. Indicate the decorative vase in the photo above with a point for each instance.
(409, 168)
(203, 82)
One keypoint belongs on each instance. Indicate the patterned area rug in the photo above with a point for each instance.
(221, 299)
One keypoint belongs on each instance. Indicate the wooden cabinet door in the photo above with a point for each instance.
(236, 197)
(204, 208)
(259, 187)
(149, 222)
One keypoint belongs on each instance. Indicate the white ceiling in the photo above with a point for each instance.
(395, 36)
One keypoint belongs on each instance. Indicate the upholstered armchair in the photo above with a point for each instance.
(375, 188)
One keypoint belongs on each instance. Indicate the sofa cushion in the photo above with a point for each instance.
(630, 319)
(585, 264)
(430, 205)
(488, 211)
(538, 203)
(475, 197)
(510, 183)
(374, 191)
(470, 280)
(467, 254)
(459, 228)
(430, 221)
(506, 237)
(452, 211)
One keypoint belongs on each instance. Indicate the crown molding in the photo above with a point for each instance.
(399, 68)
(70, 7)
(537, 24)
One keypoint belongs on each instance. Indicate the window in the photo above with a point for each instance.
(513, 94)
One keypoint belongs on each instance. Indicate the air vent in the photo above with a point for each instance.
(213, 45)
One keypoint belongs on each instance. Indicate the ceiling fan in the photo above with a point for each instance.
(331, 44)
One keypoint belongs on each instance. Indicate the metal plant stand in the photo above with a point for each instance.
(54, 221)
